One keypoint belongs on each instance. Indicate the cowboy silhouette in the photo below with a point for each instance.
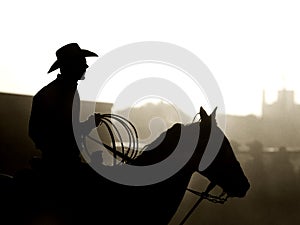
(57, 105)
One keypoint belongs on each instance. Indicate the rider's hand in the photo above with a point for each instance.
(97, 118)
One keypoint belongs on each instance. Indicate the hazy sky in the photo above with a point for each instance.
(248, 45)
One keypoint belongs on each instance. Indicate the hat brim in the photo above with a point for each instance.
(85, 53)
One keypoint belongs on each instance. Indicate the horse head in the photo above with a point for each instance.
(225, 170)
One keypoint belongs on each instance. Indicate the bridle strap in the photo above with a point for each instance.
(209, 187)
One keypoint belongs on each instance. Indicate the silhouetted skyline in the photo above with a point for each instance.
(246, 54)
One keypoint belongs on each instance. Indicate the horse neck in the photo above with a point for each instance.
(204, 134)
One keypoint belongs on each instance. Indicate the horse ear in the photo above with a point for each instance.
(213, 114)
(203, 113)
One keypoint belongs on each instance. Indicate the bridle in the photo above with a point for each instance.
(221, 199)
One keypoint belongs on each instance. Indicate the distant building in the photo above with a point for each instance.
(284, 107)
(279, 124)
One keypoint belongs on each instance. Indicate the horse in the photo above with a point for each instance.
(163, 198)
(89, 198)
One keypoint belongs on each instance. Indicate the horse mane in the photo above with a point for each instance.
(164, 145)
(161, 147)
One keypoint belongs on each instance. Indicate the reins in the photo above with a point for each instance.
(222, 198)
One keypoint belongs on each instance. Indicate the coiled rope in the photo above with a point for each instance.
(126, 154)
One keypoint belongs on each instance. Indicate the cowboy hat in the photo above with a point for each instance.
(68, 53)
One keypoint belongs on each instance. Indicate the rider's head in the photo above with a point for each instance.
(71, 61)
